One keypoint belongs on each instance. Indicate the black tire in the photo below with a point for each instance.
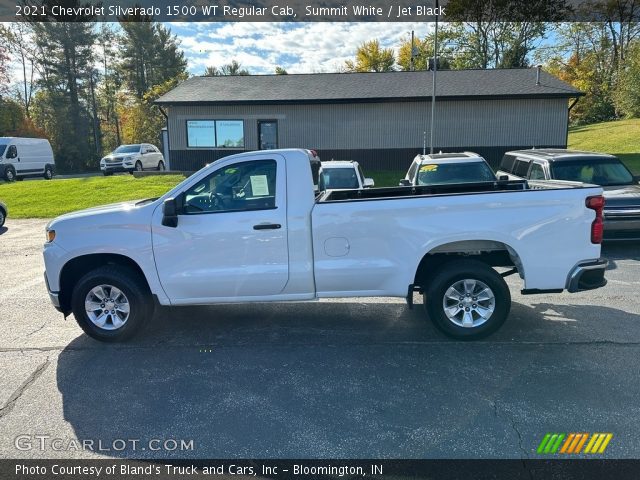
(9, 173)
(131, 285)
(48, 172)
(3, 217)
(161, 166)
(456, 271)
(139, 167)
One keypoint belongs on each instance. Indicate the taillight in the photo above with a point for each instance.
(597, 226)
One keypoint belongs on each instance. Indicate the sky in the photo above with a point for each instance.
(297, 47)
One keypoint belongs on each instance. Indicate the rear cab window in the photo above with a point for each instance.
(506, 165)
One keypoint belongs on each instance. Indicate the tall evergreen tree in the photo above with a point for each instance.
(150, 56)
(65, 58)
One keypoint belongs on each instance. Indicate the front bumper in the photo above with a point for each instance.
(53, 296)
(587, 276)
(117, 168)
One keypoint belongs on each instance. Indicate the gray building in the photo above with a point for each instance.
(378, 119)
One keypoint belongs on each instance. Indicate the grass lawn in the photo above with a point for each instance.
(46, 199)
(620, 138)
(386, 178)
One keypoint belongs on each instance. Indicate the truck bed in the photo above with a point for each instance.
(432, 190)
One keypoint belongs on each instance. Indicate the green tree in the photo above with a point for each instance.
(422, 53)
(64, 54)
(142, 121)
(18, 42)
(627, 93)
(280, 71)
(230, 69)
(370, 57)
(150, 56)
(4, 76)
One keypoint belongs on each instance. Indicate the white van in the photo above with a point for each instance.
(25, 157)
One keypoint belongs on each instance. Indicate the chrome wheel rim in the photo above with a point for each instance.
(9, 175)
(469, 303)
(139, 166)
(161, 166)
(48, 174)
(107, 307)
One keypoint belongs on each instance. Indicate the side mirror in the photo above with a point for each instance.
(170, 213)
(405, 183)
(368, 183)
(636, 178)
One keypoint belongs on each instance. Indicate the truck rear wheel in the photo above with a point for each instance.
(48, 172)
(467, 299)
(111, 303)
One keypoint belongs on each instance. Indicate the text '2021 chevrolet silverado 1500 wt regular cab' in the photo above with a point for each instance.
(248, 228)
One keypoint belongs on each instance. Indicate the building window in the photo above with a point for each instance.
(230, 133)
(215, 133)
(201, 133)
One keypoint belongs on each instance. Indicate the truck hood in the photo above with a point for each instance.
(107, 213)
(622, 196)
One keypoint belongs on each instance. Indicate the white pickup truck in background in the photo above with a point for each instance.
(248, 228)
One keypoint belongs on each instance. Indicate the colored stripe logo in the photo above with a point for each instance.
(574, 443)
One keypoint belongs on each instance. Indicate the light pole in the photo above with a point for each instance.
(435, 69)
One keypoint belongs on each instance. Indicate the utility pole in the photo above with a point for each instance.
(412, 67)
(435, 69)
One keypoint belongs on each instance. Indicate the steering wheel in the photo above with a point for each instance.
(217, 200)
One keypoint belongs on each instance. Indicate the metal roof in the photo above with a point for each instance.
(367, 87)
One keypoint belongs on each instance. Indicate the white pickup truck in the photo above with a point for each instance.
(249, 228)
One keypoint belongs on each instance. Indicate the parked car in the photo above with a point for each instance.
(248, 228)
(448, 168)
(621, 188)
(129, 158)
(26, 157)
(3, 214)
(341, 175)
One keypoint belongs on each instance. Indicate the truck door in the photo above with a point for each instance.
(231, 237)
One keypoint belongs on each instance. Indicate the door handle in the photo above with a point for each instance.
(267, 226)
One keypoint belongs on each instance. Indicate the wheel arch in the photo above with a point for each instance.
(495, 253)
(75, 268)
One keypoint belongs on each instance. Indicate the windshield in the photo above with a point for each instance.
(2, 149)
(335, 178)
(445, 173)
(599, 171)
(127, 149)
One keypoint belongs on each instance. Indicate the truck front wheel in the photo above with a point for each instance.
(111, 303)
(467, 299)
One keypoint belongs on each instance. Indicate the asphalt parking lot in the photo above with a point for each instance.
(364, 378)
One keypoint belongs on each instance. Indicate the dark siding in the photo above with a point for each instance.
(370, 159)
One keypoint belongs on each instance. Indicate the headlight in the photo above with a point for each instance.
(51, 236)
(128, 159)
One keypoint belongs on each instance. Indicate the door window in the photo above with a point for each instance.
(536, 172)
(12, 152)
(238, 187)
(268, 135)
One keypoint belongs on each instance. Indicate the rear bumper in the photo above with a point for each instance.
(587, 276)
(621, 225)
